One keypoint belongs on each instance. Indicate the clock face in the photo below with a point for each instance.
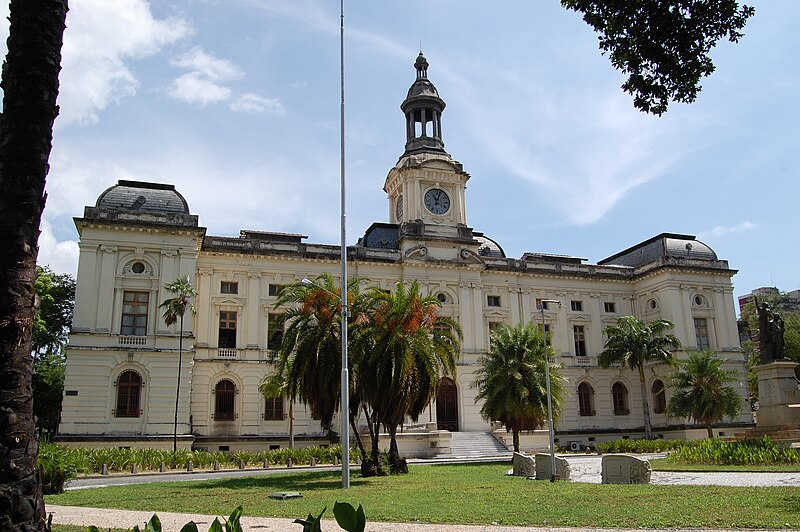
(398, 210)
(437, 201)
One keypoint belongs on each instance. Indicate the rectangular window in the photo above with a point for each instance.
(229, 287)
(542, 305)
(227, 330)
(493, 301)
(493, 326)
(274, 289)
(134, 313)
(273, 409)
(576, 306)
(701, 333)
(580, 340)
(275, 332)
(610, 307)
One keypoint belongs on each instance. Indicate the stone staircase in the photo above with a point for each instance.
(475, 445)
(782, 434)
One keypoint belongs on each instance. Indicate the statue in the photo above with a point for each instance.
(770, 334)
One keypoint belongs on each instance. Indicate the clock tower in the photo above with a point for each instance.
(426, 187)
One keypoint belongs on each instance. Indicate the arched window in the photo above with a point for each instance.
(659, 397)
(224, 399)
(619, 393)
(129, 393)
(586, 399)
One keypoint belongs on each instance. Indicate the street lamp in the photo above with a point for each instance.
(554, 475)
(345, 399)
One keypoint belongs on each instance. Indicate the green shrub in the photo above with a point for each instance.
(58, 466)
(715, 451)
(641, 446)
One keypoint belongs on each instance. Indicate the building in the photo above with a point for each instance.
(120, 386)
(787, 303)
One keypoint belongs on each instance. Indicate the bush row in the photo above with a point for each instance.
(718, 452)
(641, 446)
(60, 464)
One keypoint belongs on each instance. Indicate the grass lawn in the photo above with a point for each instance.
(469, 494)
(662, 464)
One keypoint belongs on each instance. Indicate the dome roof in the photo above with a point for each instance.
(140, 196)
(488, 247)
(688, 248)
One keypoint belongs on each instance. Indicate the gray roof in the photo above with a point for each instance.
(663, 245)
(141, 196)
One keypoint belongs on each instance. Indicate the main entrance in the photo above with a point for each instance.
(447, 405)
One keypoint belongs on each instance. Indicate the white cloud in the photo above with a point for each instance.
(722, 230)
(62, 257)
(206, 65)
(253, 103)
(194, 88)
(101, 39)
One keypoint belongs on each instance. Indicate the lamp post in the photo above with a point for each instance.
(345, 377)
(553, 474)
(345, 397)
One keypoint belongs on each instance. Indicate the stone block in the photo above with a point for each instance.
(523, 466)
(625, 469)
(544, 471)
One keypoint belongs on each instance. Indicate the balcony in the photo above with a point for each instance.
(583, 362)
(228, 353)
(133, 341)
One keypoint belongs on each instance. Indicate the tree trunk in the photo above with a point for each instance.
(178, 390)
(515, 439)
(30, 87)
(648, 430)
(291, 424)
(397, 464)
(710, 429)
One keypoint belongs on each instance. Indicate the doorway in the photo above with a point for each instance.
(447, 405)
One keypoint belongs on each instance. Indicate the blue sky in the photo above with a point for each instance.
(236, 102)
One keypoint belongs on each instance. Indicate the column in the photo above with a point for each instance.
(253, 310)
(105, 301)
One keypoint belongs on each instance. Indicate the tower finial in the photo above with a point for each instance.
(421, 64)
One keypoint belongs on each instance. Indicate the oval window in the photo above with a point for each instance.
(137, 267)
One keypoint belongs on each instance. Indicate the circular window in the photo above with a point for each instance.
(699, 301)
(652, 304)
(137, 267)
(442, 297)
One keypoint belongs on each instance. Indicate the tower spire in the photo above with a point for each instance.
(423, 110)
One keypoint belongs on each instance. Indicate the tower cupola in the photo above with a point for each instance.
(423, 110)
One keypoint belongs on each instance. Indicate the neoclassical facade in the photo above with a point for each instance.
(122, 363)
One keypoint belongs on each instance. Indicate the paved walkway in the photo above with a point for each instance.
(583, 469)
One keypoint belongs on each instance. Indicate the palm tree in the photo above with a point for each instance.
(30, 87)
(633, 343)
(309, 355)
(702, 392)
(275, 386)
(412, 348)
(174, 309)
(511, 380)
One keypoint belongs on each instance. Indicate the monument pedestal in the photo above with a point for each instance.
(777, 389)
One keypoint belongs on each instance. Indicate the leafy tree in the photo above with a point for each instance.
(174, 310)
(633, 343)
(511, 380)
(56, 293)
(412, 348)
(30, 87)
(662, 45)
(752, 358)
(311, 347)
(702, 390)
